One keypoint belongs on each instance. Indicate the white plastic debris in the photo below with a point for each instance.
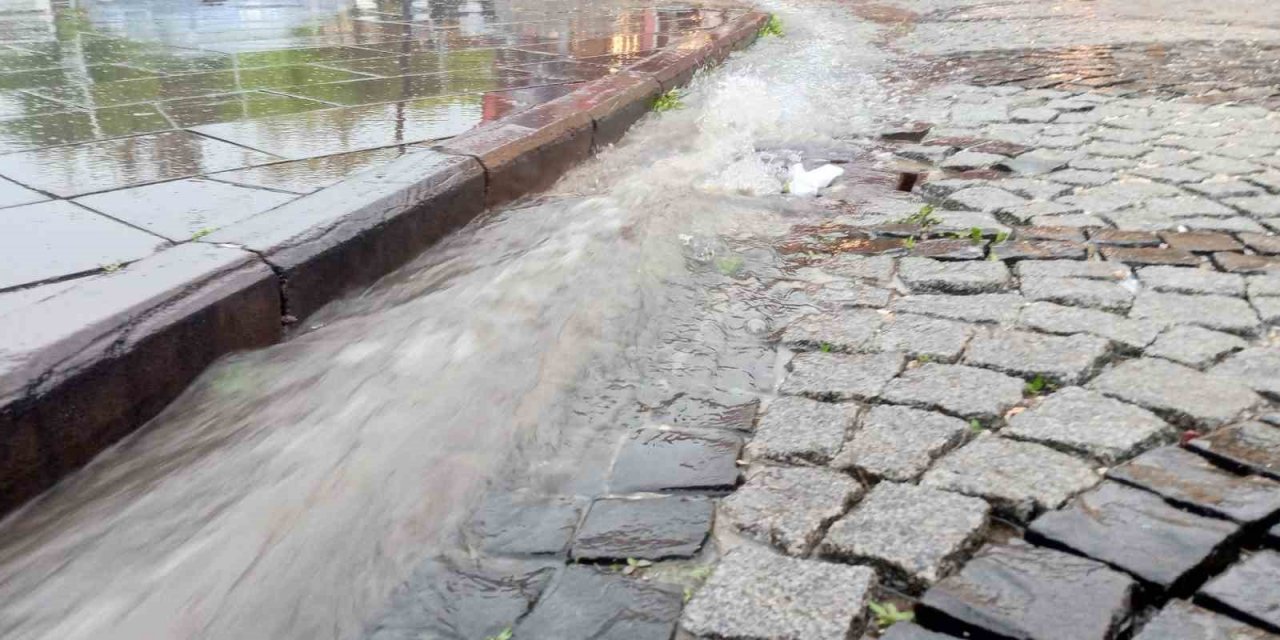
(808, 183)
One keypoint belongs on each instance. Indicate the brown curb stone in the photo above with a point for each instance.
(615, 103)
(1151, 255)
(358, 230)
(674, 67)
(1262, 243)
(1122, 238)
(1200, 241)
(83, 368)
(1241, 263)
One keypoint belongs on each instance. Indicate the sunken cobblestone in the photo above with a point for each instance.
(959, 390)
(1176, 392)
(671, 459)
(1079, 292)
(1249, 446)
(1060, 359)
(837, 377)
(585, 602)
(1019, 479)
(932, 276)
(795, 429)
(1090, 424)
(899, 443)
(643, 528)
(916, 535)
(759, 595)
(789, 507)
(1181, 620)
(1020, 591)
(1194, 346)
(1191, 482)
(1138, 532)
(1048, 317)
(1247, 590)
(1257, 368)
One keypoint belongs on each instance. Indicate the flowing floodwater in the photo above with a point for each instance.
(291, 489)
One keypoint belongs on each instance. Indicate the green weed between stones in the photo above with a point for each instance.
(924, 217)
(505, 634)
(772, 28)
(1038, 385)
(729, 265)
(975, 426)
(113, 267)
(825, 347)
(669, 101)
(201, 233)
(888, 615)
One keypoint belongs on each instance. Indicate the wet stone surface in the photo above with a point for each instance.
(1181, 620)
(1019, 479)
(960, 390)
(527, 525)
(914, 535)
(1176, 392)
(789, 507)
(585, 602)
(1020, 591)
(1139, 533)
(642, 528)
(1191, 482)
(755, 593)
(1090, 424)
(837, 377)
(1060, 359)
(1249, 446)
(669, 459)
(1247, 591)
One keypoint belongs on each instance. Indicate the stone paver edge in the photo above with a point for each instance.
(80, 370)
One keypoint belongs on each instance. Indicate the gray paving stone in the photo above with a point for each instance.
(899, 443)
(1191, 482)
(1033, 114)
(1137, 532)
(874, 268)
(1164, 156)
(1188, 280)
(930, 153)
(917, 336)
(933, 276)
(1171, 174)
(1036, 162)
(1257, 368)
(1181, 620)
(1060, 359)
(1269, 180)
(968, 160)
(444, 598)
(983, 307)
(1221, 313)
(1194, 346)
(983, 199)
(1020, 591)
(1116, 149)
(1119, 195)
(795, 429)
(1132, 335)
(1251, 446)
(1257, 206)
(1019, 479)
(963, 222)
(1264, 285)
(1102, 163)
(1225, 166)
(671, 459)
(790, 507)
(914, 535)
(1032, 188)
(836, 377)
(587, 603)
(521, 524)
(1091, 269)
(643, 528)
(1087, 423)
(1082, 177)
(1177, 393)
(1039, 209)
(1079, 292)
(940, 189)
(844, 330)
(1248, 590)
(960, 390)
(1018, 250)
(1225, 189)
(758, 595)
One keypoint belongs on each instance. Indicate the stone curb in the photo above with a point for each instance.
(86, 363)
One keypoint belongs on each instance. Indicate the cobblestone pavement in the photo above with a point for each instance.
(1049, 362)
(145, 125)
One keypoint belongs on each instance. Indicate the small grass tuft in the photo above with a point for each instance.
(1001, 237)
(1039, 385)
(505, 634)
(975, 426)
(112, 267)
(910, 242)
(924, 217)
(729, 265)
(669, 101)
(888, 614)
(772, 28)
(825, 347)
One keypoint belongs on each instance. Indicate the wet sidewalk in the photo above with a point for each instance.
(127, 128)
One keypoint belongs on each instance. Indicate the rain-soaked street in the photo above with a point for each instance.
(1086, 274)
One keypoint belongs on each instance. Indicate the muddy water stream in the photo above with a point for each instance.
(290, 490)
